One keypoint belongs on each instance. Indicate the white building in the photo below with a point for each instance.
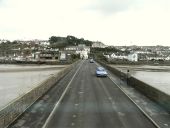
(3, 41)
(71, 48)
(153, 57)
(114, 56)
(107, 56)
(133, 57)
(83, 54)
(44, 43)
(167, 58)
(83, 50)
(83, 47)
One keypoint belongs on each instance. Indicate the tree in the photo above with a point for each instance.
(53, 39)
(71, 40)
(26, 52)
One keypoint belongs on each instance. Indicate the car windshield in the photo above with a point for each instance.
(100, 69)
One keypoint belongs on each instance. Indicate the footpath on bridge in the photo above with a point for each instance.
(155, 112)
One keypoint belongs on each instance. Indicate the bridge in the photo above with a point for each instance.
(82, 100)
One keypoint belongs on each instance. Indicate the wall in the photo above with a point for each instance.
(14, 109)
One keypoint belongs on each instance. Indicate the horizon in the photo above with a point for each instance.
(89, 40)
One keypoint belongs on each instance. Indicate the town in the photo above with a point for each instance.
(66, 49)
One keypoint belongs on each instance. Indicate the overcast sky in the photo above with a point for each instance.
(113, 22)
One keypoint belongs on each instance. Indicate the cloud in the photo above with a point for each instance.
(108, 21)
(2, 3)
(111, 6)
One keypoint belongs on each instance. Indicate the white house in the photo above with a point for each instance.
(167, 58)
(71, 48)
(83, 47)
(107, 56)
(153, 57)
(116, 56)
(83, 50)
(113, 56)
(4, 41)
(44, 43)
(133, 57)
(83, 54)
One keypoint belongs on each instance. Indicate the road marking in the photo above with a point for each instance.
(166, 125)
(76, 104)
(110, 98)
(74, 116)
(72, 124)
(121, 113)
(62, 96)
(80, 92)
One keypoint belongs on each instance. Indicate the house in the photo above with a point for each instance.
(118, 56)
(84, 54)
(142, 57)
(3, 41)
(107, 56)
(83, 50)
(133, 57)
(44, 43)
(71, 48)
(167, 58)
(113, 56)
(46, 55)
(83, 47)
(155, 57)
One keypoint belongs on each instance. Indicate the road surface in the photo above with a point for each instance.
(87, 102)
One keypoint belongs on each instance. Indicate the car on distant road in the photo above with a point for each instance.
(100, 71)
(91, 61)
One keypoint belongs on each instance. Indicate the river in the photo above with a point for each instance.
(156, 76)
(16, 80)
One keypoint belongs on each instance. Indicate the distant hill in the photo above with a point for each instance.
(99, 44)
(68, 41)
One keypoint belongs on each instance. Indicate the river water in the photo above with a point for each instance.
(16, 81)
(156, 76)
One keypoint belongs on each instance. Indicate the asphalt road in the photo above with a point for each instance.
(36, 115)
(89, 102)
(94, 102)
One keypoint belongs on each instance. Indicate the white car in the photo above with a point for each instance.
(100, 71)
(91, 61)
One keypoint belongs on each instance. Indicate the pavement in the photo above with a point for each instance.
(82, 100)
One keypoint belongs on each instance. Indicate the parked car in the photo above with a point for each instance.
(100, 71)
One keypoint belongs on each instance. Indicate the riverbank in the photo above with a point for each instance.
(38, 62)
